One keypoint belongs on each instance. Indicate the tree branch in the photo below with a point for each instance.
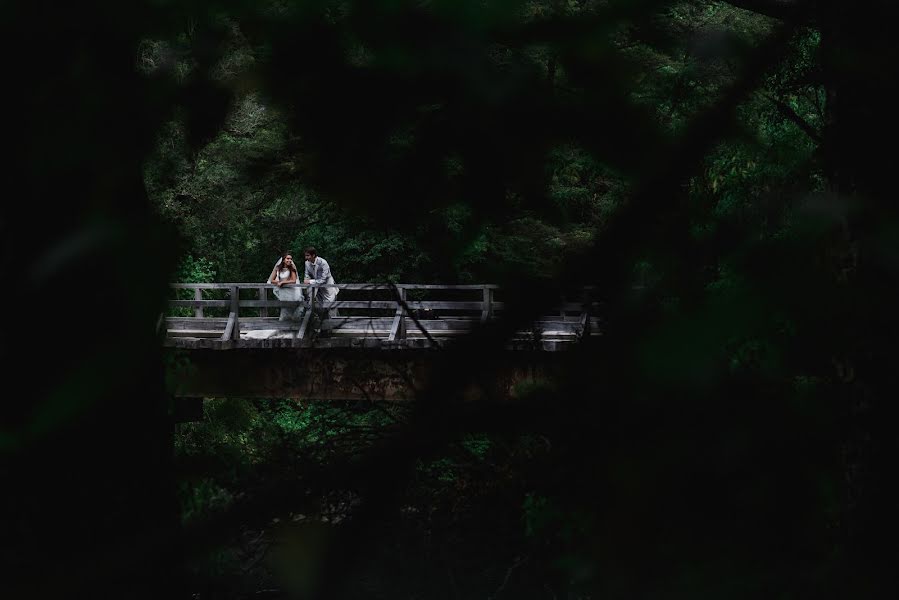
(518, 562)
(776, 9)
(791, 115)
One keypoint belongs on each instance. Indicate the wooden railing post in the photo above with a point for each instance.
(585, 313)
(198, 295)
(263, 312)
(487, 310)
(398, 328)
(401, 332)
(235, 308)
(304, 326)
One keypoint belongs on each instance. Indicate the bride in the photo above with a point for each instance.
(284, 275)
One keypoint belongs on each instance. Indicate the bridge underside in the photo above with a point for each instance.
(343, 374)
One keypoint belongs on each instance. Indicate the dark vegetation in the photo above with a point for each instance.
(720, 171)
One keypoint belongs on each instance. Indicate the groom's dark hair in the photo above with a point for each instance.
(310, 250)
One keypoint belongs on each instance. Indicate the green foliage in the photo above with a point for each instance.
(239, 436)
(559, 532)
(191, 270)
(584, 191)
(450, 178)
(358, 251)
(453, 469)
(477, 445)
(544, 517)
(242, 197)
(203, 497)
(534, 388)
(443, 470)
(535, 514)
(195, 270)
(228, 216)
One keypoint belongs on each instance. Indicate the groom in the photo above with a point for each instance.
(318, 271)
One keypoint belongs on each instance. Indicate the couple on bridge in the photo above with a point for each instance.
(317, 271)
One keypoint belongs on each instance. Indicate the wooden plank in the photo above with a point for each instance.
(203, 303)
(466, 286)
(348, 286)
(412, 304)
(366, 304)
(361, 333)
(417, 333)
(379, 304)
(444, 324)
(197, 343)
(254, 285)
(198, 295)
(270, 303)
(558, 319)
(195, 333)
(472, 318)
(412, 332)
(230, 327)
(370, 343)
(342, 286)
(194, 323)
(269, 323)
(569, 307)
(442, 305)
(441, 327)
(557, 334)
(357, 323)
(213, 286)
(454, 323)
(370, 324)
(263, 312)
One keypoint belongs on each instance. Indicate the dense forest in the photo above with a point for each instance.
(718, 171)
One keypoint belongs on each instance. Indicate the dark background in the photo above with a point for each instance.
(726, 437)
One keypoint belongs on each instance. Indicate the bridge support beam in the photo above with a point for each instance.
(342, 374)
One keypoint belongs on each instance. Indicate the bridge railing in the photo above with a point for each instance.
(387, 308)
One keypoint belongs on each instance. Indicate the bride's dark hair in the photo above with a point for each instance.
(293, 263)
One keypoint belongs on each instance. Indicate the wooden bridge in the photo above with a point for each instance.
(343, 356)
(376, 316)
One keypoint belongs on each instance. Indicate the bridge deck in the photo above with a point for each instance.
(378, 322)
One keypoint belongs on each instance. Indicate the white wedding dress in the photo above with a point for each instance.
(288, 293)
